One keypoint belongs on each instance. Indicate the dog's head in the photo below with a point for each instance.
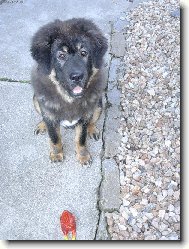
(71, 50)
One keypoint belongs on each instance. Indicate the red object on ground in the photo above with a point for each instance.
(68, 224)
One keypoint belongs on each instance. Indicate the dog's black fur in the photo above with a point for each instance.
(67, 81)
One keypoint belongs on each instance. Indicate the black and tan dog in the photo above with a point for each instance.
(68, 82)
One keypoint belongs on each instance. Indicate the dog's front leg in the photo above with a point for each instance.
(93, 132)
(56, 151)
(82, 153)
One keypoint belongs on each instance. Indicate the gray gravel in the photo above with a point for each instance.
(149, 152)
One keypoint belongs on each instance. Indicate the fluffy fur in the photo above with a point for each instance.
(69, 56)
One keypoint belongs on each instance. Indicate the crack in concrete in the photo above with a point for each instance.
(13, 80)
(102, 157)
(107, 105)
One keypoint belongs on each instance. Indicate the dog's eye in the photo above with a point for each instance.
(61, 55)
(84, 53)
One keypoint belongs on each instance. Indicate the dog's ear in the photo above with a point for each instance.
(42, 42)
(100, 46)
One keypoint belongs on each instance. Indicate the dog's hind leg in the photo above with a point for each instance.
(93, 132)
(82, 153)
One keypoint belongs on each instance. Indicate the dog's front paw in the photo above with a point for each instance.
(56, 157)
(56, 152)
(93, 132)
(84, 157)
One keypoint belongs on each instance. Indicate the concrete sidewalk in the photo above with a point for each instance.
(34, 192)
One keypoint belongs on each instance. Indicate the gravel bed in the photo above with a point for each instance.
(149, 153)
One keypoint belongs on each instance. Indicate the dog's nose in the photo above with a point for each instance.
(76, 76)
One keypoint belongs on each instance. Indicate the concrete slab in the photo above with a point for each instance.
(113, 114)
(20, 19)
(110, 190)
(118, 48)
(35, 191)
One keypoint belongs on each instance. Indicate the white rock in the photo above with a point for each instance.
(126, 203)
(145, 189)
(161, 214)
(144, 219)
(122, 178)
(158, 183)
(171, 214)
(115, 216)
(139, 225)
(173, 237)
(171, 207)
(120, 157)
(165, 233)
(155, 223)
(149, 215)
(150, 237)
(124, 139)
(167, 143)
(155, 151)
(122, 227)
(170, 192)
(164, 74)
(136, 176)
(122, 181)
(160, 197)
(125, 215)
(173, 183)
(177, 217)
(151, 92)
(132, 222)
(141, 162)
(177, 195)
(164, 193)
(135, 101)
(133, 211)
(166, 216)
(163, 227)
(144, 202)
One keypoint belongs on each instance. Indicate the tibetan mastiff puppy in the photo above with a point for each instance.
(67, 82)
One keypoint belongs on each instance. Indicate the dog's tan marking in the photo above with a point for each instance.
(95, 71)
(60, 90)
(82, 153)
(40, 128)
(92, 131)
(96, 115)
(36, 104)
(56, 150)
